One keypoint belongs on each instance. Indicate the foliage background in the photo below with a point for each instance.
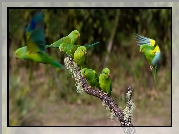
(36, 90)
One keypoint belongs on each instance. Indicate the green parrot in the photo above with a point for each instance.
(71, 38)
(35, 49)
(91, 77)
(151, 52)
(71, 48)
(80, 56)
(105, 81)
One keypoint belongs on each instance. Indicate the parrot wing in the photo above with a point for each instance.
(36, 40)
(38, 16)
(57, 43)
(141, 40)
(156, 59)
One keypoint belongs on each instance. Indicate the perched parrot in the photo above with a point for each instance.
(80, 56)
(35, 49)
(151, 52)
(105, 81)
(91, 77)
(71, 48)
(71, 39)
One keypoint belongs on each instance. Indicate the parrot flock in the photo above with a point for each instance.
(35, 50)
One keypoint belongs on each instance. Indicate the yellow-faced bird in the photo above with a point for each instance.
(151, 52)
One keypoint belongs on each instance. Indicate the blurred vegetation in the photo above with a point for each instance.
(42, 95)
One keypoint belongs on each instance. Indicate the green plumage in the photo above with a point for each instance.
(80, 56)
(105, 81)
(71, 48)
(91, 77)
(70, 39)
(35, 49)
(151, 52)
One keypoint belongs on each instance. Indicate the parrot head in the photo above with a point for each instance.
(83, 71)
(106, 72)
(74, 35)
(152, 42)
(82, 49)
(61, 47)
(21, 53)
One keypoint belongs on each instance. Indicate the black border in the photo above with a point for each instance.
(78, 8)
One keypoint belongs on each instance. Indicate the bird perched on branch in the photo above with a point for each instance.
(105, 81)
(35, 49)
(80, 56)
(71, 48)
(70, 39)
(91, 77)
(151, 51)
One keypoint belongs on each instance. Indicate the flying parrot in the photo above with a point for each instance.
(35, 49)
(71, 39)
(71, 48)
(91, 77)
(80, 56)
(151, 52)
(105, 81)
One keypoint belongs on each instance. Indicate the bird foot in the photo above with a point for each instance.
(151, 68)
(89, 87)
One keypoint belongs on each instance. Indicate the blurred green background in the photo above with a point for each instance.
(41, 95)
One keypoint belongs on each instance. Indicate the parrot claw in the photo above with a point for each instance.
(151, 68)
(89, 87)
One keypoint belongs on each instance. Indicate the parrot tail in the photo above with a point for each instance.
(154, 73)
(91, 45)
(56, 64)
(47, 46)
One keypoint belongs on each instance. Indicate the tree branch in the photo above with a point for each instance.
(108, 103)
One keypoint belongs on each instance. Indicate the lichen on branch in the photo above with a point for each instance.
(82, 86)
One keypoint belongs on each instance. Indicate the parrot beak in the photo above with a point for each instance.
(78, 35)
(86, 53)
(60, 50)
(109, 75)
(140, 51)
